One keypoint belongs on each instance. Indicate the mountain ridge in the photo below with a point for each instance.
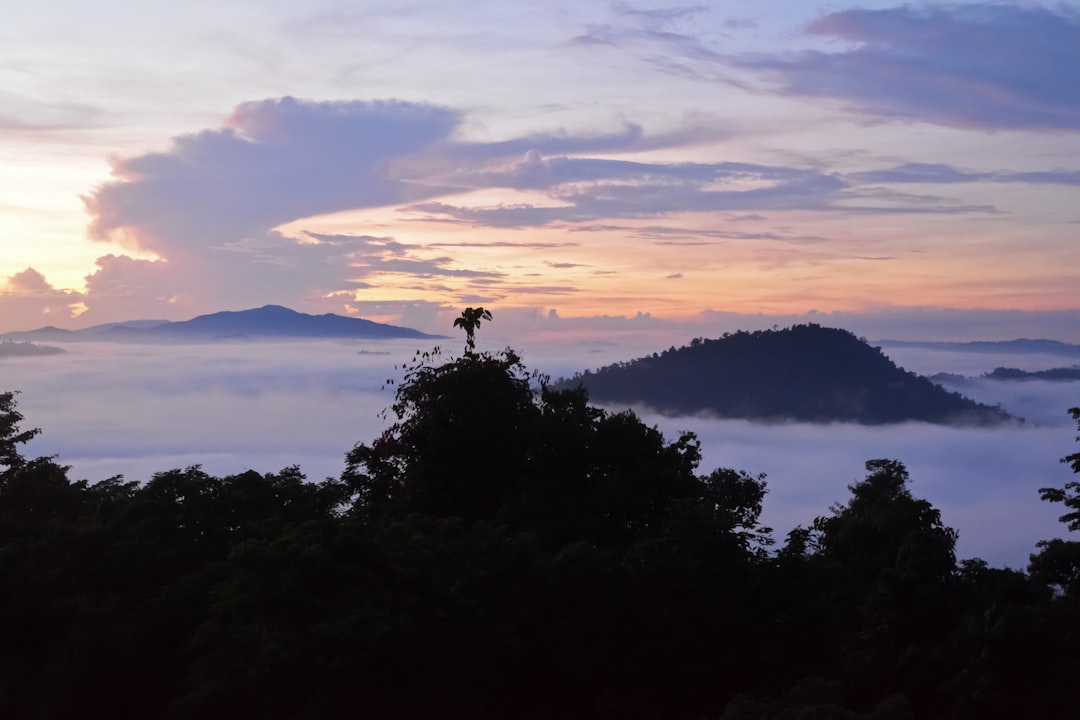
(1019, 346)
(264, 323)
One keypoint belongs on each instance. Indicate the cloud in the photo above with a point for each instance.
(630, 138)
(589, 190)
(275, 161)
(662, 235)
(980, 65)
(940, 173)
(27, 301)
(122, 284)
(203, 214)
(502, 244)
(26, 115)
(663, 38)
(208, 205)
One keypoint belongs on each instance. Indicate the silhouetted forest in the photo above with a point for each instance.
(503, 551)
(1006, 374)
(1056, 374)
(806, 372)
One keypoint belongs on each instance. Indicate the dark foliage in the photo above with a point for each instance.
(806, 372)
(1063, 374)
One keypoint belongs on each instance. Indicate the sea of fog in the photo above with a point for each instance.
(134, 410)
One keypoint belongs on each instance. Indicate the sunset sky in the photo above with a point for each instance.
(572, 165)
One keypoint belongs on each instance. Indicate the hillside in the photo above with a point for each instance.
(268, 322)
(806, 373)
(26, 349)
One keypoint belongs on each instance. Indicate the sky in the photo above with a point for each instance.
(584, 169)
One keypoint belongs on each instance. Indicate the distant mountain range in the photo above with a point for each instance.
(265, 323)
(1060, 374)
(1023, 346)
(806, 373)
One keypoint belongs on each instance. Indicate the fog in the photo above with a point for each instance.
(136, 410)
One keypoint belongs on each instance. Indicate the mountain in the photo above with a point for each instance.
(1060, 374)
(268, 322)
(1022, 346)
(807, 373)
(9, 348)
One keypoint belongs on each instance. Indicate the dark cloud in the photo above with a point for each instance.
(979, 65)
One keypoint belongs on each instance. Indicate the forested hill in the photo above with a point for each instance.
(807, 373)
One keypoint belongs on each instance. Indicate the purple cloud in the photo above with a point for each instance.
(936, 173)
(986, 66)
(588, 190)
(275, 161)
(208, 205)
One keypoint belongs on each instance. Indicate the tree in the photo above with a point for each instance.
(1057, 563)
(884, 528)
(469, 322)
(11, 436)
(1069, 495)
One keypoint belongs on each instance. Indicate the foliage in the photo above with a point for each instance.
(1058, 562)
(11, 436)
(469, 322)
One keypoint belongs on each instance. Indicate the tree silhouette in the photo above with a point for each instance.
(10, 434)
(1058, 561)
(469, 322)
